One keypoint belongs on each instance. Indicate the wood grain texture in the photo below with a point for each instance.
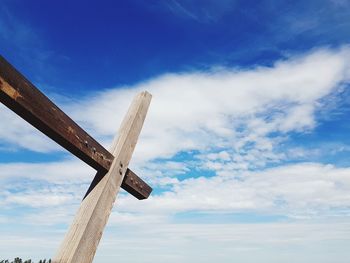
(136, 186)
(133, 184)
(22, 97)
(83, 237)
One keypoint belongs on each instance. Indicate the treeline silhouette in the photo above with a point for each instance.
(19, 260)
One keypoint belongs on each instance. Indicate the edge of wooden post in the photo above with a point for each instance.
(81, 241)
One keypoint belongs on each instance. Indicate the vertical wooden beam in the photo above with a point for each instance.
(83, 237)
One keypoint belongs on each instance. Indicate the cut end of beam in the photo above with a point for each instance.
(146, 93)
(136, 186)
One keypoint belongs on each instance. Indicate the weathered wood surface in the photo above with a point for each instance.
(22, 97)
(133, 184)
(80, 243)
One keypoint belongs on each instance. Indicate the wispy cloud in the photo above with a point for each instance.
(14, 31)
(23, 43)
(199, 11)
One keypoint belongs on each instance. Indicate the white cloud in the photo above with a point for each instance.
(307, 190)
(226, 115)
(15, 132)
(153, 242)
(54, 172)
(44, 185)
(225, 108)
(272, 243)
(223, 120)
(37, 200)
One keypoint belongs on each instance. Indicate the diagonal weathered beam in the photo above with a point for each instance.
(81, 241)
(22, 97)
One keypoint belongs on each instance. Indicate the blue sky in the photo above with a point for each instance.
(246, 141)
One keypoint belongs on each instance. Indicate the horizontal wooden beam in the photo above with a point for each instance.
(22, 97)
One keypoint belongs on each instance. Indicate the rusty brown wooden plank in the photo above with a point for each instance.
(22, 97)
(136, 186)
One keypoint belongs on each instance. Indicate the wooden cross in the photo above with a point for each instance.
(82, 239)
